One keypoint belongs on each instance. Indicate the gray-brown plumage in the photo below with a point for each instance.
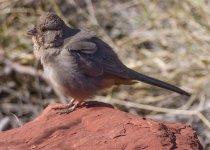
(78, 63)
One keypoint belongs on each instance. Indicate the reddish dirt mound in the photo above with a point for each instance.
(98, 126)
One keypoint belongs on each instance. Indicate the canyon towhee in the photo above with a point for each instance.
(78, 63)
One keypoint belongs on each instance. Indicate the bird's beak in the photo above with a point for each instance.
(32, 32)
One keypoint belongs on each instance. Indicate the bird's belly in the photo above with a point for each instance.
(71, 83)
(55, 80)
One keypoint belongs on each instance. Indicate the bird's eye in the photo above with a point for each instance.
(43, 29)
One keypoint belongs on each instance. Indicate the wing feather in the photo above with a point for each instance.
(95, 57)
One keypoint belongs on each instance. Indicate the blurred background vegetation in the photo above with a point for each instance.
(166, 39)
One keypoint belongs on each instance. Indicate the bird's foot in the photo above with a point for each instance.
(68, 108)
(64, 107)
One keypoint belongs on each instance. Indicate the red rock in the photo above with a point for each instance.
(98, 127)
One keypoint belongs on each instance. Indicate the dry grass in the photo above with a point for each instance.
(168, 40)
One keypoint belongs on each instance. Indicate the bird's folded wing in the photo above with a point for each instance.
(96, 58)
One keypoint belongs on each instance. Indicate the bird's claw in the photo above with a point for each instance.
(67, 108)
(62, 107)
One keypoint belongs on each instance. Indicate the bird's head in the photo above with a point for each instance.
(48, 31)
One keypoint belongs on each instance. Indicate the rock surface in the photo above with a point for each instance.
(98, 126)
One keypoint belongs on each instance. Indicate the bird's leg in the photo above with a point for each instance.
(67, 106)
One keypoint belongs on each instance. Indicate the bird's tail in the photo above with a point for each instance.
(140, 77)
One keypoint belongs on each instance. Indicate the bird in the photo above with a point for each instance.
(78, 63)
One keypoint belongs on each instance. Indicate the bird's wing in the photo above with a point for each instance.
(95, 57)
